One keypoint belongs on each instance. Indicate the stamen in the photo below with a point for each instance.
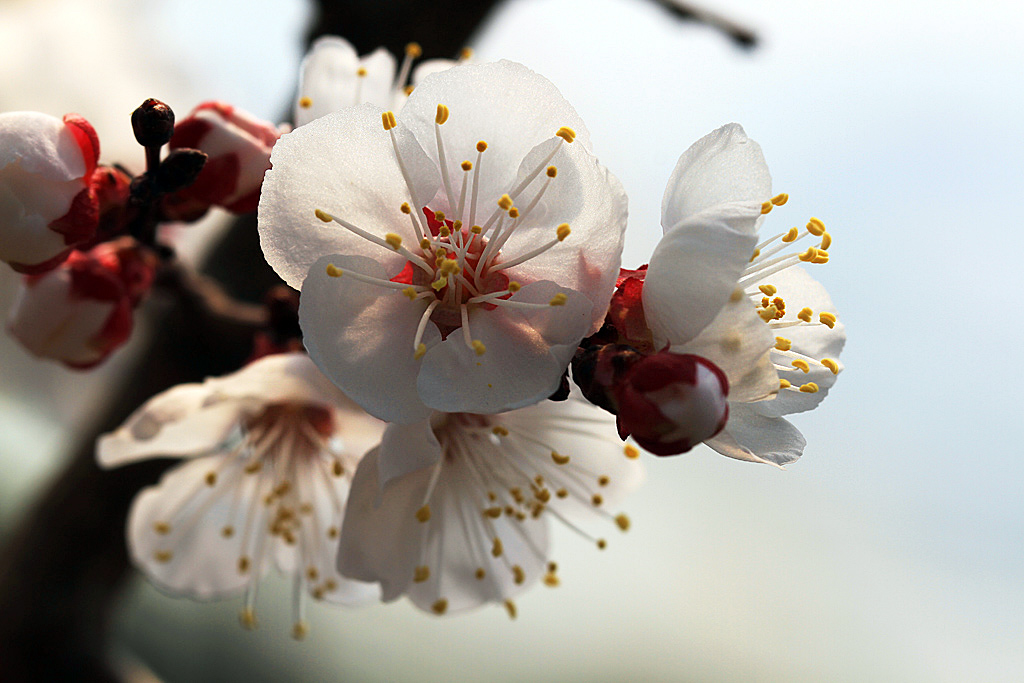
(831, 365)
(419, 348)
(305, 102)
(439, 119)
(809, 388)
(780, 199)
(334, 271)
(412, 51)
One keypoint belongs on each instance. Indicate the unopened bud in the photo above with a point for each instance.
(597, 369)
(670, 402)
(153, 123)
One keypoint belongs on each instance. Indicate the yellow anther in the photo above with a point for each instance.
(361, 72)
(809, 388)
(467, 165)
(330, 585)
(631, 451)
(783, 344)
(801, 364)
(784, 384)
(466, 53)
(324, 216)
(766, 207)
(423, 514)
(439, 216)
(305, 102)
(559, 458)
(827, 319)
(757, 252)
(440, 607)
(337, 468)
(388, 119)
(406, 209)
(552, 567)
(498, 430)
(333, 532)
(562, 231)
(566, 133)
(737, 295)
(162, 528)
(505, 202)
(425, 244)
(809, 255)
(826, 241)
(442, 115)
(492, 512)
(603, 480)
(253, 467)
(243, 564)
(820, 258)
(480, 574)
(408, 89)
(211, 478)
(596, 499)
(551, 580)
(476, 230)
(831, 365)
(791, 235)
(518, 575)
(601, 544)
(514, 286)
(300, 630)
(768, 290)
(247, 618)
(312, 573)
(421, 574)
(543, 495)
(410, 292)
(228, 531)
(768, 314)
(622, 521)
(497, 549)
(439, 283)
(562, 493)
(559, 299)
(513, 212)
(765, 302)
(780, 199)
(510, 607)
(394, 241)
(805, 314)
(816, 227)
(780, 303)
(552, 171)
(163, 556)
(421, 350)
(334, 271)
(444, 231)
(481, 146)
(478, 347)
(413, 50)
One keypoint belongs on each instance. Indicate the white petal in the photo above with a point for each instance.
(692, 274)
(724, 167)
(343, 163)
(380, 537)
(738, 341)
(379, 81)
(327, 78)
(756, 438)
(279, 378)
(200, 562)
(360, 335)
(505, 104)
(173, 423)
(527, 351)
(800, 290)
(41, 145)
(406, 448)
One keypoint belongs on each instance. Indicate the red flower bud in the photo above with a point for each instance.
(670, 402)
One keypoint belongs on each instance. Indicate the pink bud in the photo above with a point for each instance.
(670, 402)
(79, 312)
(626, 311)
(47, 204)
(238, 146)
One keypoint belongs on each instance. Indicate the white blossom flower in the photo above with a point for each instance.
(712, 290)
(440, 284)
(453, 511)
(271, 450)
(46, 201)
(333, 76)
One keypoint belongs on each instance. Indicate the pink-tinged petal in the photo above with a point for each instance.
(738, 342)
(361, 336)
(380, 537)
(406, 448)
(526, 354)
(344, 164)
(591, 201)
(756, 438)
(505, 104)
(176, 422)
(692, 275)
(724, 167)
(191, 557)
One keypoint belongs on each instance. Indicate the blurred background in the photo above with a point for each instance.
(892, 551)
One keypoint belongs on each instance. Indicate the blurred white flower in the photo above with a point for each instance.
(271, 450)
(435, 284)
(453, 511)
(711, 290)
(47, 205)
